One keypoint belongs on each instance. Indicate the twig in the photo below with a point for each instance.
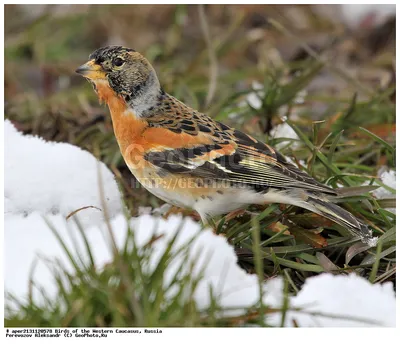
(212, 86)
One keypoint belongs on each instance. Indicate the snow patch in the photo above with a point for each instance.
(388, 177)
(342, 301)
(209, 255)
(284, 130)
(55, 178)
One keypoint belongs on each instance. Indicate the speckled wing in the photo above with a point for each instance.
(232, 157)
(180, 119)
(259, 164)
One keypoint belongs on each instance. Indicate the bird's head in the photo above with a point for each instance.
(124, 70)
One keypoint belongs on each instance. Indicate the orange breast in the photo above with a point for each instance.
(135, 138)
(128, 128)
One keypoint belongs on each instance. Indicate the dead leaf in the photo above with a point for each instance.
(325, 262)
(308, 237)
(355, 190)
(384, 131)
(310, 220)
(354, 250)
(277, 227)
(234, 214)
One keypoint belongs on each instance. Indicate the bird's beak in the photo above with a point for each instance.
(91, 70)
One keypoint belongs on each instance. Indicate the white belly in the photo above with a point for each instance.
(213, 202)
(231, 199)
(158, 187)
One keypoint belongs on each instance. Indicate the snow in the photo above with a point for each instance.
(286, 131)
(55, 178)
(371, 305)
(209, 254)
(388, 177)
(40, 245)
(45, 181)
(358, 304)
(254, 99)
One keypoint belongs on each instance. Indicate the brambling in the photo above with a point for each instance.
(189, 160)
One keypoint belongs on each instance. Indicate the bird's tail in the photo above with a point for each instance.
(331, 211)
(320, 205)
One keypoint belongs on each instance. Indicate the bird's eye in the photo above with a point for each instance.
(118, 62)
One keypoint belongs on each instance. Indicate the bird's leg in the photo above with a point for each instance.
(177, 210)
(171, 211)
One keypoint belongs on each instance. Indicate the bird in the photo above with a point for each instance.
(190, 160)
